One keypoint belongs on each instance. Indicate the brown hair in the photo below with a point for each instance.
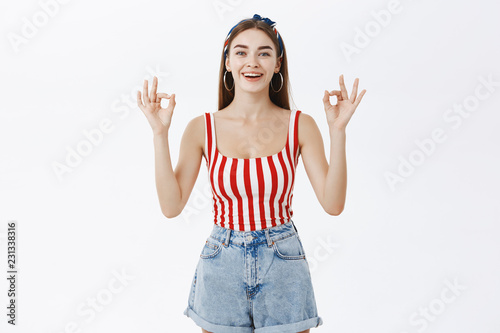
(280, 98)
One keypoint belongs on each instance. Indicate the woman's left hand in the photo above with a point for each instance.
(338, 115)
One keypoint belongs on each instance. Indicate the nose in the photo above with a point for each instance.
(252, 61)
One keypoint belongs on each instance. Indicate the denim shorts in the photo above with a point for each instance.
(253, 281)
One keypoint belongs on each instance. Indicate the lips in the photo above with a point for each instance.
(251, 73)
(252, 78)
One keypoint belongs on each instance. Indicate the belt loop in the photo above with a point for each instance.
(228, 236)
(269, 241)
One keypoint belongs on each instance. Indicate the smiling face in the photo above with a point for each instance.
(252, 51)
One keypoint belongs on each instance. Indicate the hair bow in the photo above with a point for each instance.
(258, 17)
(265, 19)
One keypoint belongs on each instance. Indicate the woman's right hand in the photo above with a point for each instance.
(159, 118)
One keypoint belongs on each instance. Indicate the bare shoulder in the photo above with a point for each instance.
(306, 120)
(194, 134)
(198, 122)
(307, 127)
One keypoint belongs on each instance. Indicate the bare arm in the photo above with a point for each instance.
(329, 180)
(167, 187)
(336, 177)
(326, 179)
(173, 188)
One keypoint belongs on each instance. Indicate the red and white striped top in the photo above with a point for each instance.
(252, 193)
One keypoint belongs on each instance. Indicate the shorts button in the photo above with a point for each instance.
(249, 238)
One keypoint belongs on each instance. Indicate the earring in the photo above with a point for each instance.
(281, 83)
(225, 82)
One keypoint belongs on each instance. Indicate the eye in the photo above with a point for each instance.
(237, 53)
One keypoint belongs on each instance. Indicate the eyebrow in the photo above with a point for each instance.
(259, 48)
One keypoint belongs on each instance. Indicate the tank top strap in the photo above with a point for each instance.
(293, 135)
(209, 137)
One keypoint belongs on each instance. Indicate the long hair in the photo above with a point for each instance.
(280, 98)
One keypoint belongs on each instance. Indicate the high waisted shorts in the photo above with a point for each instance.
(253, 281)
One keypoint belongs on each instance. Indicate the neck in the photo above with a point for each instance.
(251, 105)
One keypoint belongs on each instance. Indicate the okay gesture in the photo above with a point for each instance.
(338, 115)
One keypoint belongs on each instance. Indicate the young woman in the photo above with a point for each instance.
(253, 273)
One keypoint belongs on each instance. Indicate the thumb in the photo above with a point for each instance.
(326, 98)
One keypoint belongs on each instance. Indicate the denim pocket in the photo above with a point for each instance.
(289, 248)
(211, 249)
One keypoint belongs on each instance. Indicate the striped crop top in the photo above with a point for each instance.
(252, 193)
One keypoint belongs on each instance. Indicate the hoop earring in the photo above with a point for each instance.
(225, 82)
(281, 83)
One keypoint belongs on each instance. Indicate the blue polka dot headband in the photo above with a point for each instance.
(258, 17)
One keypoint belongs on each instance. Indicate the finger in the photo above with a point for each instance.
(162, 95)
(326, 99)
(153, 89)
(356, 103)
(354, 90)
(145, 92)
(342, 87)
(159, 96)
(337, 93)
(139, 100)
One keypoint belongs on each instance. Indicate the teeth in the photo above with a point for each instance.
(252, 75)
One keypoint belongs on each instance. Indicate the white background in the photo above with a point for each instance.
(393, 253)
